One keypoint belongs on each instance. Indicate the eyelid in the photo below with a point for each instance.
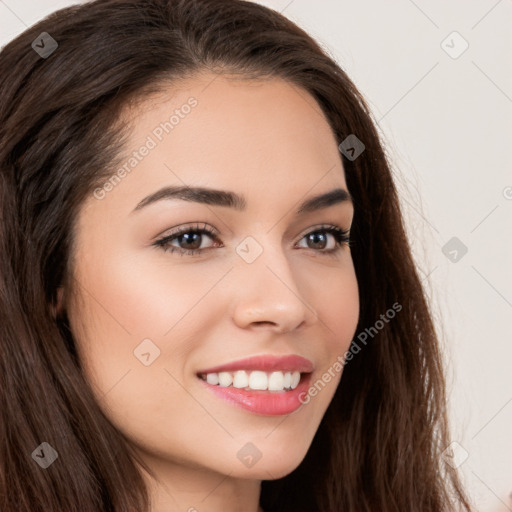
(320, 227)
(185, 228)
(211, 232)
(200, 226)
(164, 241)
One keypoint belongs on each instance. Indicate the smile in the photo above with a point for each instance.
(255, 380)
(267, 385)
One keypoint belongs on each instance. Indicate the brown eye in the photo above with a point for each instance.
(317, 240)
(186, 240)
(192, 240)
(328, 239)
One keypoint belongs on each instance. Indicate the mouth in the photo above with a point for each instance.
(265, 385)
(256, 380)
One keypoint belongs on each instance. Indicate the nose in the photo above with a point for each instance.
(269, 296)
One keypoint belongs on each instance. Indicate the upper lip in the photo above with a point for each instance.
(288, 363)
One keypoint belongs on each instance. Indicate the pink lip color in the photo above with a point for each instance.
(270, 403)
(264, 363)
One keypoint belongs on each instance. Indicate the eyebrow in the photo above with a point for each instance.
(232, 200)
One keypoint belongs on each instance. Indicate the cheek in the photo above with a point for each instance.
(342, 308)
(337, 306)
(336, 300)
(130, 299)
(148, 297)
(144, 401)
(131, 307)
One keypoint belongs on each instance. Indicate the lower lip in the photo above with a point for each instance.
(269, 403)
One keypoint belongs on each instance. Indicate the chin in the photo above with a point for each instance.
(274, 464)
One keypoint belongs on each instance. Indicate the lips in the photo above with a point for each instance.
(265, 363)
(276, 400)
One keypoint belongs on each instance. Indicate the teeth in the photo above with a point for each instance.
(256, 380)
(276, 381)
(225, 379)
(295, 379)
(241, 379)
(212, 378)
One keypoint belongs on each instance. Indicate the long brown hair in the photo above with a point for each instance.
(379, 446)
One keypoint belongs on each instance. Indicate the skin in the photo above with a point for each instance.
(269, 141)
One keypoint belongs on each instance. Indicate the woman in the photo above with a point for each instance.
(208, 299)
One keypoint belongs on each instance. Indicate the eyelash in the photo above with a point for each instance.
(341, 236)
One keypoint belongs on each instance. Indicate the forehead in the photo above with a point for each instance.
(240, 127)
(267, 140)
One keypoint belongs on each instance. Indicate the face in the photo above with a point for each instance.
(251, 284)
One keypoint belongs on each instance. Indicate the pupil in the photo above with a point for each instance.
(317, 238)
(188, 237)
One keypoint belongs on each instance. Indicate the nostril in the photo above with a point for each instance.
(264, 323)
